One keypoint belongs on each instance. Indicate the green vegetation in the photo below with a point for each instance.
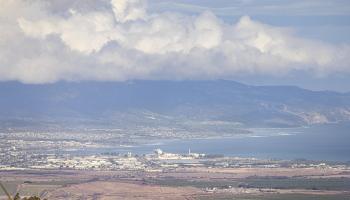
(275, 197)
(298, 183)
(338, 184)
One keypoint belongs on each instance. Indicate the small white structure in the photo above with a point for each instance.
(158, 152)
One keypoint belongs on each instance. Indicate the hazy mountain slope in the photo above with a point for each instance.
(143, 101)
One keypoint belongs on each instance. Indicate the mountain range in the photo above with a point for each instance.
(156, 102)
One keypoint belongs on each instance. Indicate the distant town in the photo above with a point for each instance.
(29, 150)
(64, 165)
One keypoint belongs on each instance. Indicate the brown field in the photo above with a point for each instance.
(184, 183)
(116, 190)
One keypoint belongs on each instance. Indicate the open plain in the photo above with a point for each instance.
(182, 183)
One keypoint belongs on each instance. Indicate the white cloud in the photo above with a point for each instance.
(126, 10)
(122, 41)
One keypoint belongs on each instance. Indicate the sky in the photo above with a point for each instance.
(303, 43)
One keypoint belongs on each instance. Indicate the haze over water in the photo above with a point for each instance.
(321, 142)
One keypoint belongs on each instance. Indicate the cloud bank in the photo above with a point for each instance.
(117, 40)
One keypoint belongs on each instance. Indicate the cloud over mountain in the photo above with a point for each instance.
(42, 42)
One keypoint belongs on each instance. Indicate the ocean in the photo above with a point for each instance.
(329, 142)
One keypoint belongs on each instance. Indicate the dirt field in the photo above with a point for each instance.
(115, 190)
(184, 183)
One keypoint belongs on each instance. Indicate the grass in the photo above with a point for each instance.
(275, 197)
(339, 184)
(34, 188)
(299, 183)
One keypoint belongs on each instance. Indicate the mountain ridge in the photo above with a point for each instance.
(217, 100)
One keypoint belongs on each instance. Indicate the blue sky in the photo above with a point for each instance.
(324, 20)
(304, 43)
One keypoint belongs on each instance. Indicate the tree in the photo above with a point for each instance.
(17, 197)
